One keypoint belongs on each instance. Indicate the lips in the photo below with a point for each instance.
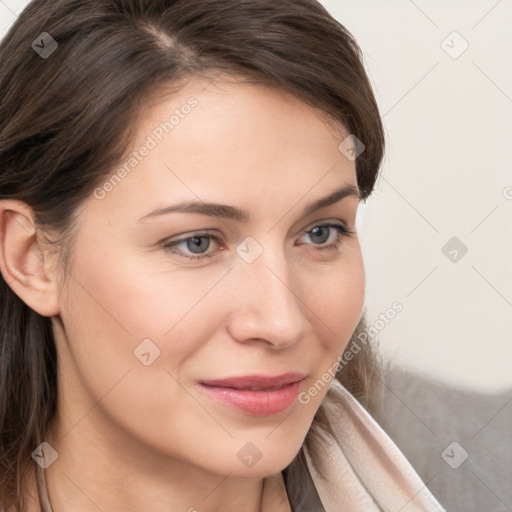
(256, 382)
(256, 394)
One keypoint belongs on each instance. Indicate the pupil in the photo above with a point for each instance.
(197, 243)
(316, 230)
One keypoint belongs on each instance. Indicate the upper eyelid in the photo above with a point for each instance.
(211, 233)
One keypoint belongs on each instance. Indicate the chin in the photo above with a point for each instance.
(262, 469)
(257, 457)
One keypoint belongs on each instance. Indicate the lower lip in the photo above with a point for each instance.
(258, 403)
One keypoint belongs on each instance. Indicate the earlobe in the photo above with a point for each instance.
(22, 263)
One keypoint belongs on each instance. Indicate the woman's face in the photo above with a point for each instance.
(159, 302)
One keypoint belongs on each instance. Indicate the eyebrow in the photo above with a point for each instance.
(230, 212)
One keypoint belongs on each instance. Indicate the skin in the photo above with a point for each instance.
(130, 435)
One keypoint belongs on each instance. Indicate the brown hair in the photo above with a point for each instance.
(63, 128)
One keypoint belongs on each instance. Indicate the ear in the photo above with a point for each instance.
(22, 263)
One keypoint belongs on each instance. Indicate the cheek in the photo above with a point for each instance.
(336, 300)
(108, 316)
(135, 325)
(125, 302)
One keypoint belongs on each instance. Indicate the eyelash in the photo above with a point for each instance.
(343, 233)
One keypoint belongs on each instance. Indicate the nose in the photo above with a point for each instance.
(268, 306)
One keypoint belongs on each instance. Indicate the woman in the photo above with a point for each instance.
(182, 283)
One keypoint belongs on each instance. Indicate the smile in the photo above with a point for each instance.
(256, 395)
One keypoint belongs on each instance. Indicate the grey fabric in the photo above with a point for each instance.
(424, 418)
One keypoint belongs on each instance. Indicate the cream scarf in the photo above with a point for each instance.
(369, 473)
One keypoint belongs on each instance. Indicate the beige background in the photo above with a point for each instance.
(448, 165)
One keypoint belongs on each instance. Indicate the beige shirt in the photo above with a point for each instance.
(364, 470)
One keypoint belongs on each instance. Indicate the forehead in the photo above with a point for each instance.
(230, 140)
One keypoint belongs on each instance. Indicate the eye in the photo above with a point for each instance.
(336, 233)
(196, 245)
